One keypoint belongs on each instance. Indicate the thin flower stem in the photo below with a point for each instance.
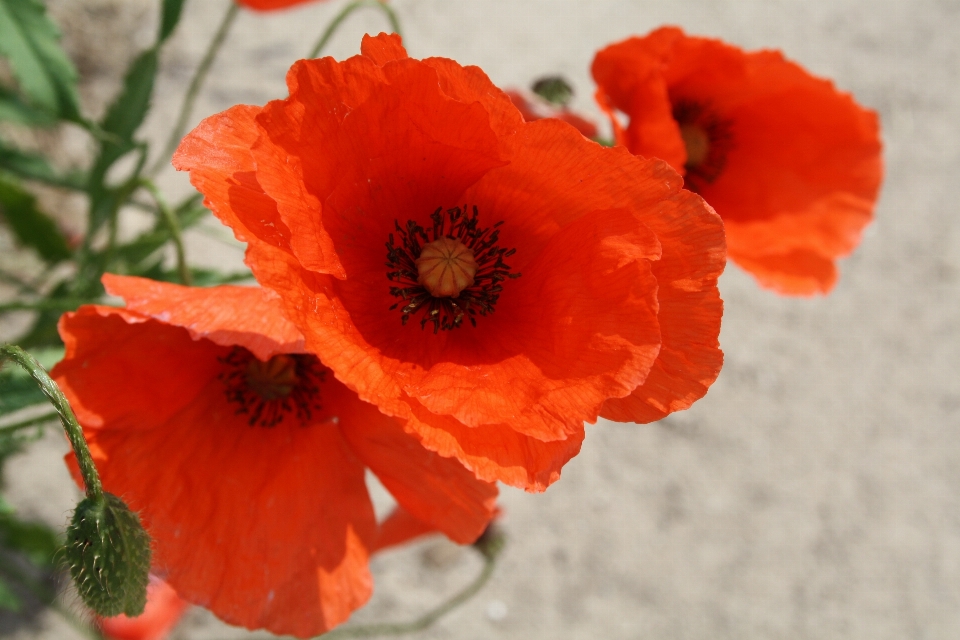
(186, 108)
(419, 624)
(424, 621)
(31, 422)
(91, 479)
(345, 12)
(170, 218)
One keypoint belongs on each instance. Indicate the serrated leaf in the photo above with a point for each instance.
(31, 42)
(32, 166)
(32, 227)
(169, 17)
(14, 109)
(123, 118)
(9, 600)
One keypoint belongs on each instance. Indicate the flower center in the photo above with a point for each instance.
(708, 139)
(449, 272)
(270, 391)
(446, 267)
(697, 143)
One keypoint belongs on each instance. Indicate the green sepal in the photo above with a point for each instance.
(108, 552)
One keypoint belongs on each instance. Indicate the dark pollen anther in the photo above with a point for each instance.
(268, 392)
(708, 138)
(479, 298)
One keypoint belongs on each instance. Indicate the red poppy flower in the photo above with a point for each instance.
(270, 5)
(162, 613)
(494, 283)
(792, 165)
(531, 110)
(244, 456)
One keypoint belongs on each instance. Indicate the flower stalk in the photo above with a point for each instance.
(345, 13)
(91, 479)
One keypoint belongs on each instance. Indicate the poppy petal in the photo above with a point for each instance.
(132, 369)
(217, 154)
(495, 452)
(399, 528)
(226, 315)
(437, 491)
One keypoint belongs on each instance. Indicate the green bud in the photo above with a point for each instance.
(554, 89)
(109, 556)
(491, 542)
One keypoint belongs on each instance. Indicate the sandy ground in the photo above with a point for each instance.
(815, 492)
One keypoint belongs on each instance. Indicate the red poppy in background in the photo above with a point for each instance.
(792, 165)
(494, 283)
(162, 613)
(270, 5)
(245, 457)
(531, 109)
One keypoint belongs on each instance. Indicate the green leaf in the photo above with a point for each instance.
(38, 542)
(32, 227)
(31, 42)
(9, 600)
(169, 17)
(32, 166)
(14, 109)
(123, 118)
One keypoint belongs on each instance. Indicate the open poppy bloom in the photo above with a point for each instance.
(162, 613)
(491, 282)
(792, 165)
(245, 457)
(531, 110)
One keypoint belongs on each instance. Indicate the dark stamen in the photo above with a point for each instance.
(704, 165)
(270, 391)
(447, 313)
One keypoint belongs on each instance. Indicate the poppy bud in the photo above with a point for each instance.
(109, 556)
(491, 541)
(554, 90)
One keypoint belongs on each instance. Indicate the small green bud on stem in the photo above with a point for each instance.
(108, 552)
(554, 89)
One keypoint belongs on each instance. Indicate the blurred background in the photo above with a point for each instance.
(814, 493)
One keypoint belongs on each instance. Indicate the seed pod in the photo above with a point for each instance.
(109, 556)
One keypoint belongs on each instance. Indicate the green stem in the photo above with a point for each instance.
(88, 470)
(32, 422)
(194, 89)
(345, 12)
(170, 218)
